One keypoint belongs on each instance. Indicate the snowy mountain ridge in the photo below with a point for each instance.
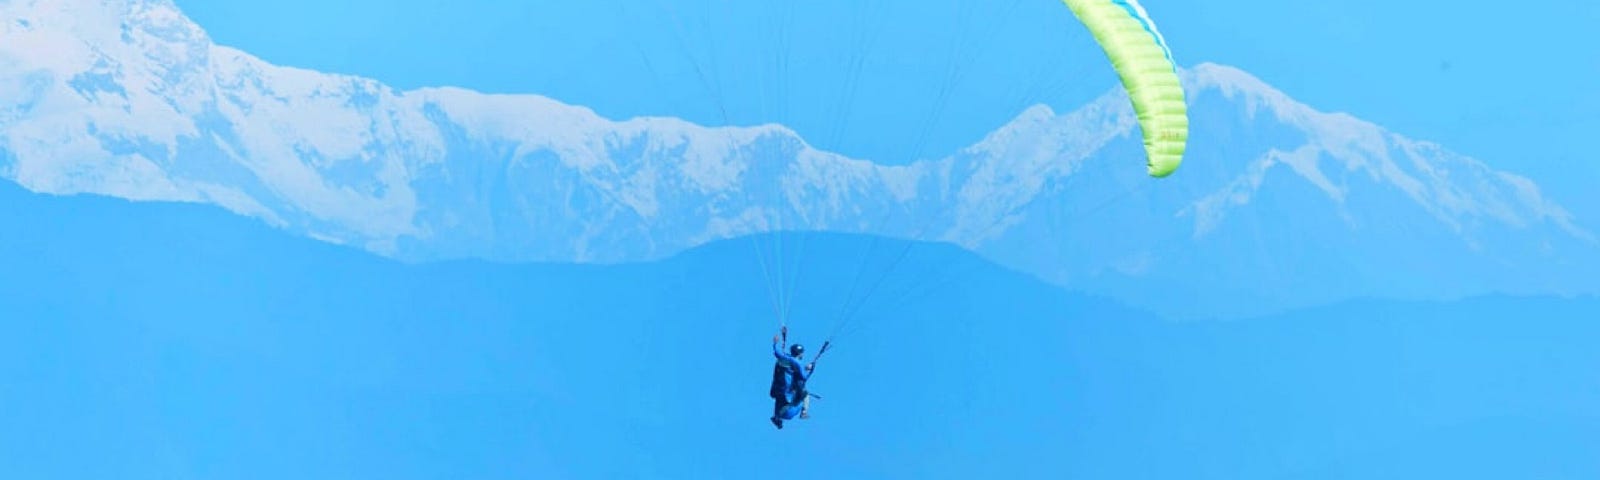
(130, 98)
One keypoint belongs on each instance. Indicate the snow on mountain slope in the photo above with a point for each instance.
(1277, 204)
(1281, 205)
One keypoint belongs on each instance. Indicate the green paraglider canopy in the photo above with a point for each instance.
(1141, 57)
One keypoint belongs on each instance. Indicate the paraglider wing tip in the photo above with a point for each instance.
(1142, 60)
(1160, 168)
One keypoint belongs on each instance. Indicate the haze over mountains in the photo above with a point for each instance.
(179, 340)
(1277, 206)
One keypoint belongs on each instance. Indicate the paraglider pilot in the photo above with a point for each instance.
(788, 389)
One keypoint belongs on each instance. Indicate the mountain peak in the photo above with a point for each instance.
(1427, 173)
(1256, 97)
(1216, 75)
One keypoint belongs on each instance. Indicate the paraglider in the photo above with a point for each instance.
(1143, 62)
(788, 389)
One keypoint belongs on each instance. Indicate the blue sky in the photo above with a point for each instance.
(1513, 86)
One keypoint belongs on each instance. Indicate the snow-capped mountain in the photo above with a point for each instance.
(129, 98)
(1276, 205)
(1279, 205)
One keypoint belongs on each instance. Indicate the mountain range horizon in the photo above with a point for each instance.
(135, 101)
